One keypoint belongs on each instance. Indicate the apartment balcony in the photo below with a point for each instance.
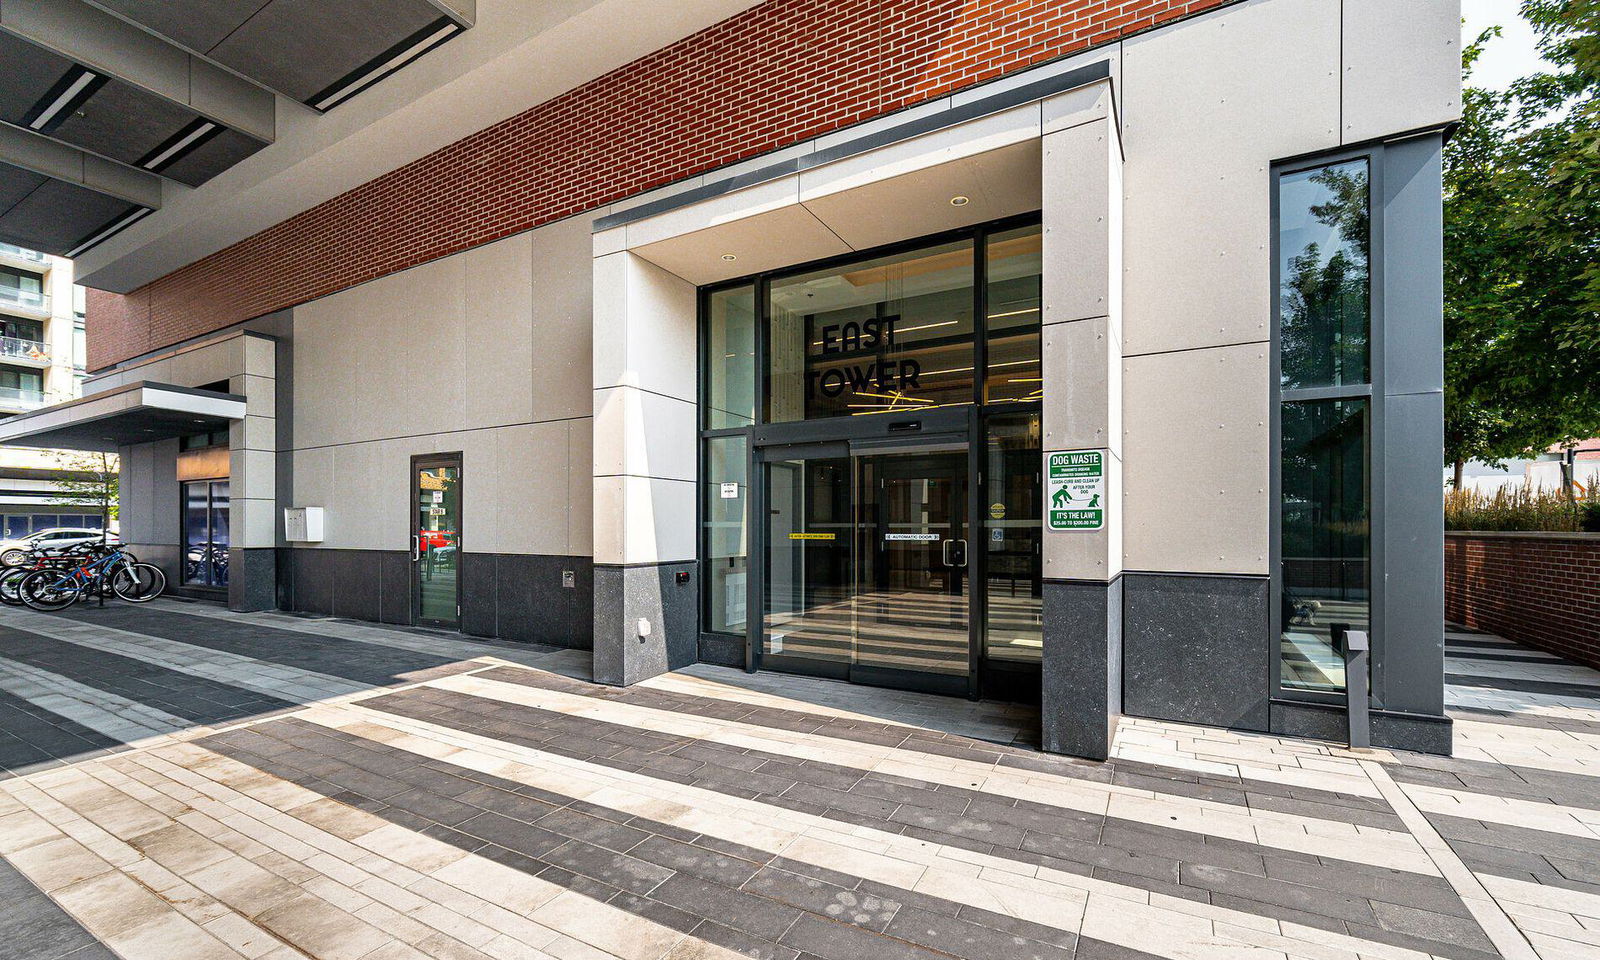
(24, 353)
(25, 302)
(16, 256)
(15, 400)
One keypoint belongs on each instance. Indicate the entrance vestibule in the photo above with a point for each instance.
(871, 463)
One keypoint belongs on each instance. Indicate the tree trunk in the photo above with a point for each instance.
(1456, 483)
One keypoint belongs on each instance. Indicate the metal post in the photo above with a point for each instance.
(1356, 645)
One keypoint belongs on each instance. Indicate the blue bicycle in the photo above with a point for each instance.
(105, 567)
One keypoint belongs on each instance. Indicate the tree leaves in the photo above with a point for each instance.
(1522, 248)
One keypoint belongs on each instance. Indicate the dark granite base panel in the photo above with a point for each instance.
(1081, 669)
(517, 596)
(252, 579)
(623, 596)
(1392, 731)
(508, 596)
(1196, 649)
(339, 583)
(722, 650)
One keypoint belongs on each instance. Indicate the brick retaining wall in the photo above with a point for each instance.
(1541, 589)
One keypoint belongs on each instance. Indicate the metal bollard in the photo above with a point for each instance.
(1356, 645)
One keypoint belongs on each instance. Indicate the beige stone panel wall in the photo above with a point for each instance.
(487, 353)
(1207, 106)
(1402, 66)
(1196, 450)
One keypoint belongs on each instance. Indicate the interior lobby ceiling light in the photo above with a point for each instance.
(729, 257)
(960, 201)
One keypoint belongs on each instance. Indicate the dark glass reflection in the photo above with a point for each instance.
(1325, 538)
(220, 536)
(1324, 277)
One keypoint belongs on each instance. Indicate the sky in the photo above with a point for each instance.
(1509, 57)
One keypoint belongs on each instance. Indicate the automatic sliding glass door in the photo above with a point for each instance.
(866, 566)
(809, 618)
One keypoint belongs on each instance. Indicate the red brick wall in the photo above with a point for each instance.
(1539, 589)
(779, 73)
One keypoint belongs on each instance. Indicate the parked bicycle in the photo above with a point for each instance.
(42, 558)
(99, 569)
(11, 577)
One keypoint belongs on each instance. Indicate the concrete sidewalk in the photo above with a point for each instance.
(185, 782)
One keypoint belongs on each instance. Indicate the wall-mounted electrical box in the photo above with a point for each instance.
(302, 524)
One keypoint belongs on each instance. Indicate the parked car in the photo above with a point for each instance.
(436, 539)
(14, 552)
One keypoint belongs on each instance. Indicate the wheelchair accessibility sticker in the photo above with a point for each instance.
(1075, 489)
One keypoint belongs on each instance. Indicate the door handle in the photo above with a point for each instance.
(416, 547)
(960, 553)
(944, 552)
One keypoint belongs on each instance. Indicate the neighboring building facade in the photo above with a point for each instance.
(41, 362)
(857, 340)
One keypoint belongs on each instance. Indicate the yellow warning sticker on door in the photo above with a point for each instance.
(810, 536)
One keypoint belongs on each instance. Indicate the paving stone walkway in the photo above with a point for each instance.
(183, 782)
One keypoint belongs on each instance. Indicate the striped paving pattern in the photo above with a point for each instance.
(184, 782)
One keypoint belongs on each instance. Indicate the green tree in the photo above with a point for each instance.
(1522, 249)
(92, 481)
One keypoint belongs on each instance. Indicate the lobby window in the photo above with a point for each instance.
(1013, 525)
(874, 336)
(729, 358)
(200, 441)
(1325, 417)
(724, 492)
(1013, 295)
(205, 533)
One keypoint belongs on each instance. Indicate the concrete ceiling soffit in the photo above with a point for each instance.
(60, 200)
(784, 223)
(319, 52)
(81, 76)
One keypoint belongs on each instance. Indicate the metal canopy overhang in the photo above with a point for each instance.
(138, 413)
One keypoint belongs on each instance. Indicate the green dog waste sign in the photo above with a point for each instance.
(1075, 489)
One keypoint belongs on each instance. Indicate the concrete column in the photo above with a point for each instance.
(646, 610)
(253, 481)
(1082, 200)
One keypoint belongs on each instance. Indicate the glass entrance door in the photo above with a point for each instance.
(866, 567)
(436, 541)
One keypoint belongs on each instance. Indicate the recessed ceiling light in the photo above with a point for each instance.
(729, 257)
(960, 201)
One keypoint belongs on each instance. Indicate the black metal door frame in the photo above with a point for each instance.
(420, 463)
